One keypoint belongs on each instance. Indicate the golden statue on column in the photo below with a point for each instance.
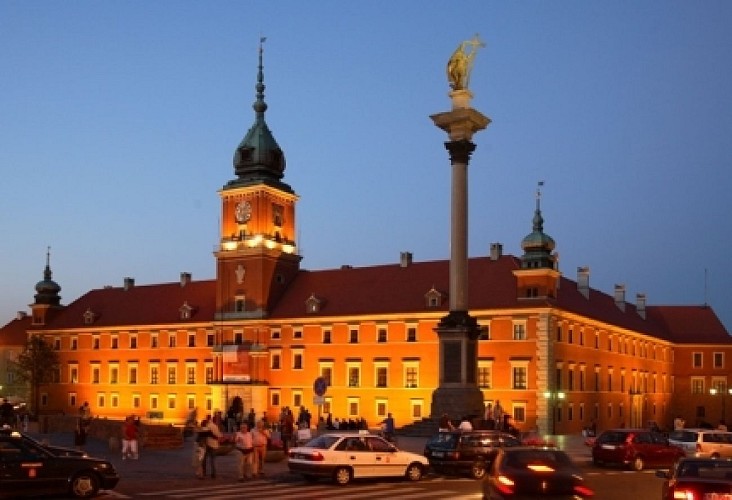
(461, 63)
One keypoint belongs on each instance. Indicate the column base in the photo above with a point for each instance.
(457, 402)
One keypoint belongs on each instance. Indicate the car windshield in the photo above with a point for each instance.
(710, 469)
(683, 436)
(322, 442)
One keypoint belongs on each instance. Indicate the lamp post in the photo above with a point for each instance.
(553, 398)
(723, 393)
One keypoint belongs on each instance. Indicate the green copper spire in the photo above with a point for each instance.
(538, 245)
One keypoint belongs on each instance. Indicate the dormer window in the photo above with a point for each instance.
(433, 298)
(89, 317)
(186, 311)
(313, 304)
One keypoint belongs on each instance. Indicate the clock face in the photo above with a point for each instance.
(243, 212)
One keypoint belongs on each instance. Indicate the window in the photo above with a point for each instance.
(238, 338)
(74, 343)
(276, 361)
(411, 334)
(57, 344)
(275, 334)
(210, 339)
(416, 406)
(381, 377)
(171, 401)
(559, 334)
(353, 408)
(519, 412)
(718, 359)
(113, 374)
(582, 379)
(114, 400)
(297, 360)
(153, 401)
(191, 401)
(133, 341)
(610, 380)
(697, 385)
(297, 399)
(96, 374)
(354, 375)
(558, 377)
(172, 341)
(209, 373)
(570, 336)
(696, 360)
(719, 384)
(73, 374)
(381, 335)
(114, 342)
(132, 374)
(582, 337)
(597, 340)
(95, 342)
(190, 374)
(485, 333)
(381, 408)
(239, 303)
(171, 374)
(519, 331)
(353, 336)
(484, 373)
(191, 340)
(72, 400)
(154, 340)
(136, 400)
(326, 337)
(411, 374)
(297, 334)
(154, 375)
(519, 374)
(100, 399)
(274, 398)
(326, 371)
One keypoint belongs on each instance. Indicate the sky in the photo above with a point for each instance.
(119, 120)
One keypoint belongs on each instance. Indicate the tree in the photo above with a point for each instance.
(36, 366)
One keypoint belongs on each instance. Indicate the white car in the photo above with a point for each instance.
(343, 456)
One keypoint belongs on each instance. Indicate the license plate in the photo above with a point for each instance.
(608, 446)
(438, 454)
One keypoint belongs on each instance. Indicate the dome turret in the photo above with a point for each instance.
(538, 245)
(47, 290)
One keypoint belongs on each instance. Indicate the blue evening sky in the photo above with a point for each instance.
(118, 123)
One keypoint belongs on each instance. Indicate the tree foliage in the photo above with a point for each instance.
(36, 366)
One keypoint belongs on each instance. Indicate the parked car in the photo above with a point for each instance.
(636, 448)
(466, 452)
(702, 478)
(530, 473)
(28, 468)
(703, 442)
(346, 456)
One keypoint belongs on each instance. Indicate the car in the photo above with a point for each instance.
(636, 448)
(60, 451)
(703, 443)
(697, 478)
(343, 456)
(466, 452)
(28, 468)
(528, 473)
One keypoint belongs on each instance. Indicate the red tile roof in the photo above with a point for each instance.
(691, 324)
(14, 333)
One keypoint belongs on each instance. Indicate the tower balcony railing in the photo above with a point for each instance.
(242, 242)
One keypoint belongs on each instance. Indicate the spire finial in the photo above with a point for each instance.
(539, 185)
(47, 272)
(259, 105)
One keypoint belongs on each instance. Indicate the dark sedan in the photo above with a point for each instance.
(698, 478)
(530, 473)
(59, 451)
(29, 469)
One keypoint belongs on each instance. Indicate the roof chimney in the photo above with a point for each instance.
(620, 297)
(129, 283)
(21, 315)
(496, 251)
(185, 278)
(405, 259)
(583, 281)
(640, 304)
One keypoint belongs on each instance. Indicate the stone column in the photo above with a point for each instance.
(458, 394)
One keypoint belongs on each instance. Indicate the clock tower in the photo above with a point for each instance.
(256, 258)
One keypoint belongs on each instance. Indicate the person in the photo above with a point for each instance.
(260, 438)
(7, 413)
(679, 423)
(722, 426)
(80, 433)
(387, 426)
(212, 444)
(498, 414)
(245, 447)
(251, 417)
(129, 439)
(287, 424)
(465, 424)
(488, 421)
(445, 424)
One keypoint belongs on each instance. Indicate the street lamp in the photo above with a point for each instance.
(553, 398)
(723, 393)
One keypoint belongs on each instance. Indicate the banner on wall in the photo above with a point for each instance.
(236, 363)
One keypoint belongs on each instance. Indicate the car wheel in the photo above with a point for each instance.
(414, 472)
(477, 470)
(342, 476)
(638, 464)
(84, 485)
